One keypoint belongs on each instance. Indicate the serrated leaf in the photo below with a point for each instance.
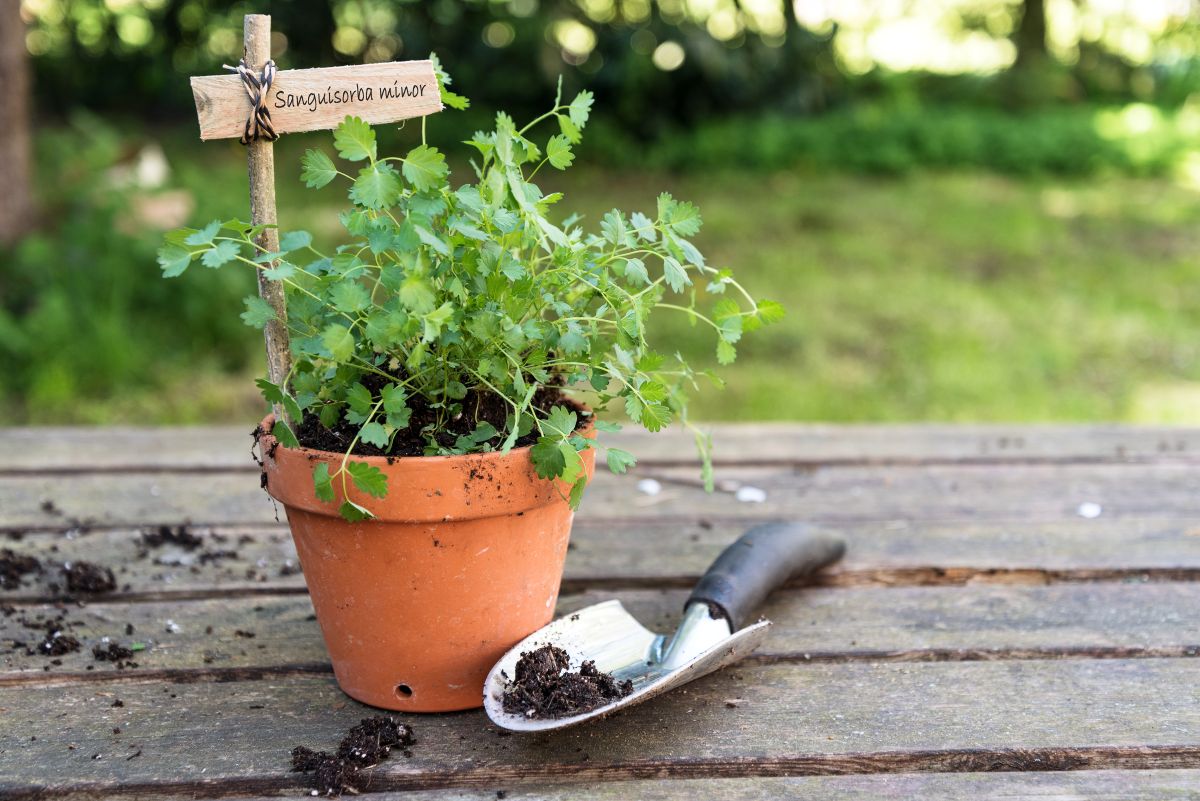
(677, 277)
(354, 140)
(174, 260)
(726, 352)
(635, 272)
(221, 254)
(359, 402)
(352, 512)
(283, 433)
(280, 272)
(569, 129)
(205, 235)
(349, 296)
(655, 416)
(580, 108)
(573, 464)
(606, 426)
(558, 151)
(548, 459)
(425, 167)
(322, 483)
(338, 340)
(368, 478)
(317, 169)
(416, 295)
(620, 461)
(684, 219)
(577, 489)
(377, 187)
(373, 433)
(295, 240)
(258, 312)
(770, 312)
(561, 421)
(270, 392)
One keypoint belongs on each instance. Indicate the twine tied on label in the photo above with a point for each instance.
(258, 124)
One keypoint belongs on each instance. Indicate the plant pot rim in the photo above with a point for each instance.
(313, 454)
(430, 489)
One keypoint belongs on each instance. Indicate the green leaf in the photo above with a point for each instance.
(676, 276)
(359, 401)
(318, 169)
(635, 272)
(280, 272)
(354, 140)
(558, 151)
(655, 416)
(425, 167)
(258, 312)
(770, 312)
(569, 129)
(283, 432)
(377, 187)
(349, 296)
(351, 511)
(620, 461)
(373, 433)
(577, 489)
(368, 478)
(270, 392)
(562, 421)
(684, 219)
(443, 80)
(339, 341)
(222, 253)
(394, 399)
(573, 468)
(322, 483)
(548, 459)
(726, 352)
(295, 240)
(606, 425)
(416, 295)
(580, 108)
(174, 260)
(205, 235)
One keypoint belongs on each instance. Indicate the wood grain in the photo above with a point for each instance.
(1094, 785)
(80, 449)
(833, 494)
(222, 104)
(665, 553)
(754, 720)
(240, 638)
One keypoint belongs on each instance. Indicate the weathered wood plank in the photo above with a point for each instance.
(966, 492)
(75, 449)
(665, 553)
(1094, 785)
(238, 637)
(755, 720)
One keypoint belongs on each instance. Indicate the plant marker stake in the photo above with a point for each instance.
(300, 100)
(260, 164)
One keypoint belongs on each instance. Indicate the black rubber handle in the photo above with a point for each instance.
(763, 558)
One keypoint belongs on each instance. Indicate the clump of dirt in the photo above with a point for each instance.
(119, 655)
(171, 535)
(364, 746)
(15, 566)
(545, 687)
(57, 638)
(483, 406)
(89, 578)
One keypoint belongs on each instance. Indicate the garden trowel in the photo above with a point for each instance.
(712, 634)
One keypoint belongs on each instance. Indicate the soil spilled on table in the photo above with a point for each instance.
(364, 746)
(14, 567)
(89, 578)
(545, 687)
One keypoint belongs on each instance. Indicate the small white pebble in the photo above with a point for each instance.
(173, 627)
(648, 486)
(751, 495)
(1089, 510)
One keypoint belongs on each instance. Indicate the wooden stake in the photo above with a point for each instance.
(260, 162)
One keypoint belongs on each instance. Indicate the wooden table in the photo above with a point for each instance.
(1018, 616)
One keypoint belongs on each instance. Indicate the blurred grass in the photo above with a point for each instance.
(956, 295)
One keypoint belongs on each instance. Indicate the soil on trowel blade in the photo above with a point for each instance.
(544, 687)
(365, 745)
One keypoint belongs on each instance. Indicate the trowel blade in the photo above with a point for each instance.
(607, 634)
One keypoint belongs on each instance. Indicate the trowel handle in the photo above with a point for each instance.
(761, 560)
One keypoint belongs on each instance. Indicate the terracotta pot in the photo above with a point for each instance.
(463, 560)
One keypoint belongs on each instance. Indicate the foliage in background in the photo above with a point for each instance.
(450, 294)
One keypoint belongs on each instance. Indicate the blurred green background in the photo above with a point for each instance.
(972, 209)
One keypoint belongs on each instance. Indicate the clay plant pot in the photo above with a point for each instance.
(463, 560)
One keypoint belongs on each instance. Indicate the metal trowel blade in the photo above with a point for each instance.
(610, 636)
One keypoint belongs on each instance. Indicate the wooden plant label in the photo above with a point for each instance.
(319, 99)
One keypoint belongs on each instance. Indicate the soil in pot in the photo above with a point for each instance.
(545, 687)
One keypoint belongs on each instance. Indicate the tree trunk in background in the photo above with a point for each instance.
(1031, 34)
(15, 144)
